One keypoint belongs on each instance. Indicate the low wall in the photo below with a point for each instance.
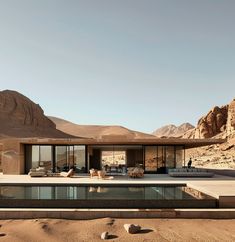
(116, 213)
(113, 204)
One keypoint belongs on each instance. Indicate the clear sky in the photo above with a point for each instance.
(137, 63)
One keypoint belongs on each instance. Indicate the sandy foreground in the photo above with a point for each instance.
(44, 230)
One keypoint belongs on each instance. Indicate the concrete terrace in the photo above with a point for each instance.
(217, 186)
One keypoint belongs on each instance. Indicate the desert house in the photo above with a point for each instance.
(113, 154)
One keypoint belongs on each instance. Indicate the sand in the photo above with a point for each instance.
(58, 230)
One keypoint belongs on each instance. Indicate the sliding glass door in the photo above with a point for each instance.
(158, 159)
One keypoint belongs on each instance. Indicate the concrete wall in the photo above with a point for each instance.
(12, 157)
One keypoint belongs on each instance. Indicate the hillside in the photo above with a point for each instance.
(98, 131)
(173, 131)
(20, 117)
(219, 122)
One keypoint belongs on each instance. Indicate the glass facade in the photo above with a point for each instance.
(158, 159)
(39, 156)
(58, 158)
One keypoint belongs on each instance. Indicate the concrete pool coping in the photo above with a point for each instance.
(219, 187)
(19, 213)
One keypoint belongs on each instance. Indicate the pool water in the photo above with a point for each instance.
(95, 195)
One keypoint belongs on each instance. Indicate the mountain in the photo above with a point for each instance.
(98, 131)
(219, 122)
(172, 130)
(20, 117)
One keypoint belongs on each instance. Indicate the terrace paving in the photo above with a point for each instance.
(216, 186)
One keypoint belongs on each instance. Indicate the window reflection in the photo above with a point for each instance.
(80, 158)
(151, 158)
(66, 156)
(170, 156)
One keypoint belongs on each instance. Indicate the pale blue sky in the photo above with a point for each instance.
(140, 64)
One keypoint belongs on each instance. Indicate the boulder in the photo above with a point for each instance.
(132, 228)
(104, 235)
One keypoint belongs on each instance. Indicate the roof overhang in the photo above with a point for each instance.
(187, 143)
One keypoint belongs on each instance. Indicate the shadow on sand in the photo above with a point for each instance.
(145, 231)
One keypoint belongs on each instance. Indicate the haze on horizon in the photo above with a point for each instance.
(139, 64)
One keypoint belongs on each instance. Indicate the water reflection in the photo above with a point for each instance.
(100, 192)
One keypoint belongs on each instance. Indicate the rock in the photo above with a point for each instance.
(219, 122)
(104, 235)
(132, 228)
(20, 108)
(230, 127)
(20, 117)
(211, 124)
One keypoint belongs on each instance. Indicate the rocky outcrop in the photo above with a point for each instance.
(20, 117)
(219, 122)
(213, 123)
(173, 131)
(21, 110)
(230, 126)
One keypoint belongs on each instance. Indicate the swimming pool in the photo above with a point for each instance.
(104, 196)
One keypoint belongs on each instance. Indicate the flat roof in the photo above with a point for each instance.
(188, 143)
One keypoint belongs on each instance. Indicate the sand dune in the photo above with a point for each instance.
(97, 131)
(58, 230)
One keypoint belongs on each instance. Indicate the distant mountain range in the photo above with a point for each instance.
(173, 131)
(21, 117)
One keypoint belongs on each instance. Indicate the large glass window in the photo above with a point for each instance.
(35, 156)
(80, 158)
(179, 156)
(45, 156)
(41, 156)
(115, 158)
(151, 158)
(65, 157)
(61, 158)
(170, 156)
(113, 161)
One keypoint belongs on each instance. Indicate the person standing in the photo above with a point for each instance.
(190, 163)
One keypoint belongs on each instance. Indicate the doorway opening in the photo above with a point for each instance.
(113, 162)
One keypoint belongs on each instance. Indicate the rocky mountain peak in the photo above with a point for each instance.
(21, 117)
(172, 130)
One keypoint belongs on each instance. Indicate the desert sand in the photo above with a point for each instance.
(58, 230)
